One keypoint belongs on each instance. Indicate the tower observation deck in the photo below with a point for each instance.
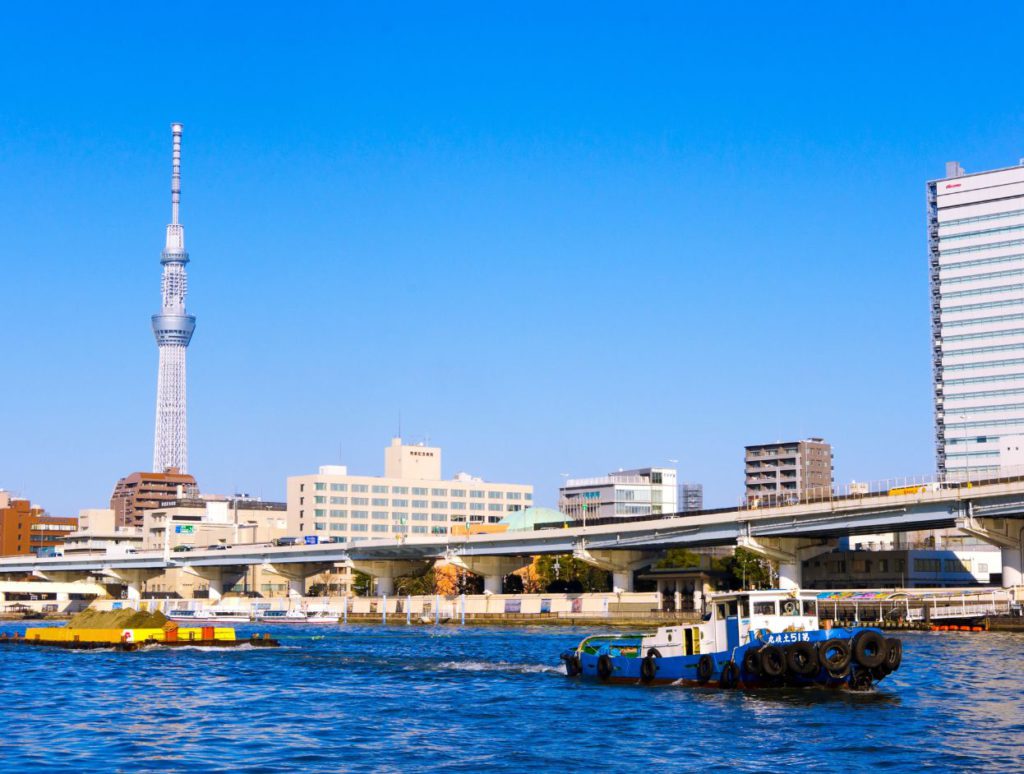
(173, 328)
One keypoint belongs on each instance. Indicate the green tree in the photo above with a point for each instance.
(748, 569)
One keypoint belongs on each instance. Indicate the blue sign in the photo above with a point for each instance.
(312, 540)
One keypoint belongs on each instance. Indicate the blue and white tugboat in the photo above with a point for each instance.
(749, 639)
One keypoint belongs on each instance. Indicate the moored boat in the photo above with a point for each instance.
(749, 639)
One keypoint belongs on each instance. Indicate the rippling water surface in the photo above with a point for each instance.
(423, 699)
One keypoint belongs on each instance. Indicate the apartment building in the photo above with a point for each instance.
(139, 492)
(788, 471)
(28, 529)
(411, 498)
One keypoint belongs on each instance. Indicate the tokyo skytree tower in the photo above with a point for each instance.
(173, 330)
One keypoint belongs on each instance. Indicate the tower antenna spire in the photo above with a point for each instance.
(175, 172)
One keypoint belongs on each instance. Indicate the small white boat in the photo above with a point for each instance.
(282, 616)
(210, 615)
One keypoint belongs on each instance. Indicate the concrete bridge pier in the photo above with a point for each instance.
(1008, 534)
(217, 578)
(132, 580)
(384, 571)
(790, 553)
(621, 564)
(492, 568)
(296, 573)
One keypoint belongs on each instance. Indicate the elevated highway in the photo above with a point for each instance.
(790, 534)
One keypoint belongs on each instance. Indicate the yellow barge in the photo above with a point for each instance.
(129, 630)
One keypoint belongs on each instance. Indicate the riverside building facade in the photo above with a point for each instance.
(976, 266)
(638, 493)
(410, 499)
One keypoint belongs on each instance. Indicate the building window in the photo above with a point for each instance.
(360, 500)
(514, 496)
(360, 488)
(319, 486)
(380, 527)
(337, 526)
(380, 515)
(320, 499)
(527, 496)
(927, 565)
(439, 505)
(399, 490)
(458, 493)
(419, 490)
(359, 527)
(438, 530)
(438, 517)
(319, 512)
(494, 507)
(495, 495)
(419, 517)
(302, 487)
(476, 506)
(457, 506)
(338, 514)
(419, 530)
(380, 502)
(360, 515)
(399, 503)
(379, 489)
(439, 492)
(419, 503)
(319, 525)
(339, 501)
(476, 493)
(339, 487)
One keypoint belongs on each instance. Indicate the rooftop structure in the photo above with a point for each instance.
(173, 328)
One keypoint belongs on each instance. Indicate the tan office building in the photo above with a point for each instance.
(410, 499)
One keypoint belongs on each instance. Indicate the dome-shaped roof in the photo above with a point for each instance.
(523, 521)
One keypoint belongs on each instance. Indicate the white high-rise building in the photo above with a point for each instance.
(976, 258)
(173, 330)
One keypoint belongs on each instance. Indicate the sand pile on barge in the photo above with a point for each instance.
(117, 619)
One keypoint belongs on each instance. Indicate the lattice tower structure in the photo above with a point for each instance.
(173, 328)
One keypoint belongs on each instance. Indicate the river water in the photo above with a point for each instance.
(371, 698)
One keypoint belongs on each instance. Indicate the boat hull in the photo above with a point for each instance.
(736, 669)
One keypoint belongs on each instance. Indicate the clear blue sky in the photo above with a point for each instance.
(563, 240)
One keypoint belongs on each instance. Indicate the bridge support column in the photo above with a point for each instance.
(492, 568)
(1008, 534)
(790, 553)
(132, 580)
(296, 573)
(621, 564)
(384, 572)
(216, 578)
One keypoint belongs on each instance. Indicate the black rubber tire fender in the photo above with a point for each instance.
(752, 661)
(730, 676)
(649, 666)
(604, 666)
(834, 655)
(894, 656)
(705, 667)
(802, 659)
(869, 649)
(573, 667)
(773, 661)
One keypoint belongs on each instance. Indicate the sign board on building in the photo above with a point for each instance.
(184, 529)
(312, 540)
